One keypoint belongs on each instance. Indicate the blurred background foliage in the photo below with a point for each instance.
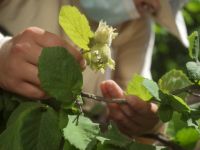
(169, 53)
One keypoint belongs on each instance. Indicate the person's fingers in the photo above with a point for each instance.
(110, 89)
(29, 90)
(140, 106)
(145, 120)
(47, 39)
(30, 51)
(123, 121)
(103, 90)
(31, 75)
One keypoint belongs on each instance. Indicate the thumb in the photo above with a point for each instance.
(110, 89)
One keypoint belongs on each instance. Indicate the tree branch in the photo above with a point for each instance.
(103, 99)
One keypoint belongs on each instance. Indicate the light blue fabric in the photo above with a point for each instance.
(112, 11)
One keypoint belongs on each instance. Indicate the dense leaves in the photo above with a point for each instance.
(187, 136)
(193, 69)
(172, 80)
(31, 126)
(114, 137)
(135, 87)
(194, 45)
(60, 74)
(80, 135)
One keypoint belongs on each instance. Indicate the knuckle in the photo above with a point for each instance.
(17, 48)
(30, 31)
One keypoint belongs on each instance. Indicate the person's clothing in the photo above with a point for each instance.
(132, 49)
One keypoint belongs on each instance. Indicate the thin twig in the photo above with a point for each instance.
(103, 99)
(164, 140)
(81, 112)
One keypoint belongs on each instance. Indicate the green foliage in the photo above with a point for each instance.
(56, 124)
(114, 137)
(136, 87)
(165, 113)
(1, 105)
(60, 74)
(138, 146)
(187, 137)
(194, 45)
(80, 135)
(193, 69)
(152, 87)
(95, 46)
(172, 80)
(28, 128)
(170, 103)
(175, 124)
(76, 26)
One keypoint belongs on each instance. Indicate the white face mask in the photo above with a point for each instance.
(114, 12)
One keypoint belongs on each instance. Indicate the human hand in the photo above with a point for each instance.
(19, 61)
(147, 6)
(134, 118)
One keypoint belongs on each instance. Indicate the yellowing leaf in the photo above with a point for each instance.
(76, 26)
(136, 87)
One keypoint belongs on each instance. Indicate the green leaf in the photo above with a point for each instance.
(193, 69)
(195, 114)
(194, 45)
(68, 146)
(1, 104)
(31, 126)
(63, 119)
(76, 26)
(60, 74)
(139, 146)
(114, 137)
(152, 87)
(175, 102)
(109, 147)
(187, 136)
(136, 87)
(165, 113)
(173, 80)
(175, 124)
(82, 134)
